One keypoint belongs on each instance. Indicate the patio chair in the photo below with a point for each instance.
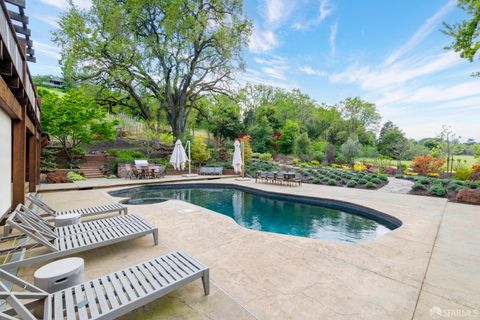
(83, 212)
(67, 240)
(106, 297)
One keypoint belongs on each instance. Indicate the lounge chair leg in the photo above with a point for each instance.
(6, 230)
(155, 237)
(206, 282)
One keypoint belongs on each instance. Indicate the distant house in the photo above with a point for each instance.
(21, 135)
(54, 82)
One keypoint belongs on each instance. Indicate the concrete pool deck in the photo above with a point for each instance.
(430, 264)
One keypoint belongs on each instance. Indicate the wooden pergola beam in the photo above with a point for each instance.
(8, 102)
(19, 3)
(18, 17)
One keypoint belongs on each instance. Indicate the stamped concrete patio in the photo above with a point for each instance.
(431, 264)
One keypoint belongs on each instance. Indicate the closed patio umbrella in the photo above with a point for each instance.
(179, 157)
(237, 158)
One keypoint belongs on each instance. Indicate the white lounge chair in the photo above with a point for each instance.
(64, 241)
(84, 212)
(106, 297)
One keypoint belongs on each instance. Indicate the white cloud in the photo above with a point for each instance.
(333, 38)
(274, 73)
(326, 9)
(310, 71)
(428, 26)
(275, 10)
(63, 4)
(397, 74)
(47, 49)
(262, 41)
(273, 66)
(50, 20)
(258, 77)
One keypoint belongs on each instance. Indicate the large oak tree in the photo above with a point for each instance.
(163, 54)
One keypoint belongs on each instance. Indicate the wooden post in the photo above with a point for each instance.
(32, 163)
(39, 150)
(18, 160)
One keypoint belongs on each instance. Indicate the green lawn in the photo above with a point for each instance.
(53, 90)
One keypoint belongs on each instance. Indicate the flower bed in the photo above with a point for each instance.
(344, 178)
(340, 176)
(437, 187)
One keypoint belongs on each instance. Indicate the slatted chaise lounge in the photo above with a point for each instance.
(84, 212)
(64, 241)
(106, 297)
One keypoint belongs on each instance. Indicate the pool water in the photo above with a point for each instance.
(265, 213)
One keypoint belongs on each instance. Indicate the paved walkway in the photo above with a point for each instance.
(429, 268)
(395, 185)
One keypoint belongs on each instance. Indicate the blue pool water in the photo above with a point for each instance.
(267, 213)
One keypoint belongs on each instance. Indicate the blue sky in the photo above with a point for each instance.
(387, 52)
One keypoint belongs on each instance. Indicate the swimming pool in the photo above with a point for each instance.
(273, 212)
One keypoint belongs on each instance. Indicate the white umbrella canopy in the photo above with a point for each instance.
(179, 157)
(237, 158)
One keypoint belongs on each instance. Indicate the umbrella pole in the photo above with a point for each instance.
(188, 145)
(243, 159)
(189, 157)
(242, 149)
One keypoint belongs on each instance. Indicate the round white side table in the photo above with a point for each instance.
(59, 274)
(67, 219)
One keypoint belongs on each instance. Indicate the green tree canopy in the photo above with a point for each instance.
(466, 34)
(74, 120)
(303, 147)
(392, 141)
(224, 118)
(262, 139)
(171, 52)
(290, 132)
(351, 149)
(357, 112)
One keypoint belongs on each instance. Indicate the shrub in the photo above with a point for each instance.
(73, 176)
(265, 156)
(332, 182)
(423, 180)
(418, 187)
(315, 163)
(463, 173)
(370, 185)
(363, 181)
(316, 181)
(351, 184)
(475, 172)
(359, 167)
(399, 176)
(376, 180)
(438, 190)
(199, 150)
(390, 170)
(383, 177)
(303, 165)
(427, 164)
(57, 177)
